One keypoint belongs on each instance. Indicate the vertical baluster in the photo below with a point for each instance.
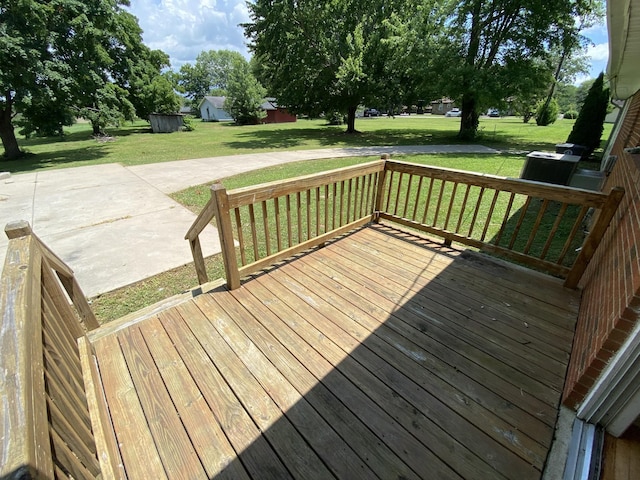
(415, 206)
(317, 211)
(426, 206)
(243, 255)
(398, 190)
(265, 223)
(574, 231)
(536, 226)
(523, 213)
(276, 206)
(334, 202)
(254, 234)
(289, 228)
(451, 202)
(388, 189)
(408, 195)
(326, 208)
(489, 215)
(505, 219)
(299, 215)
(360, 188)
(349, 193)
(475, 212)
(463, 207)
(440, 195)
(308, 214)
(554, 229)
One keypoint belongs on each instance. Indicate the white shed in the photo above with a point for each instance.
(212, 109)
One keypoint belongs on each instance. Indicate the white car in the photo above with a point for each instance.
(454, 112)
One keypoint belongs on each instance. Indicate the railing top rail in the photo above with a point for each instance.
(278, 188)
(559, 193)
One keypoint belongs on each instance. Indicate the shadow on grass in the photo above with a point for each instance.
(336, 137)
(76, 156)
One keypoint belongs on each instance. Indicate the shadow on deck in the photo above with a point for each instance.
(381, 355)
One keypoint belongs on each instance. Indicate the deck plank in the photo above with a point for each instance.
(397, 371)
(254, 452)
(380, 355)
(174, 446)
(137, 448)
(330, 447)
(453, 392)
(471, 379)
(291, 447)
(341, 407)
(209, 440)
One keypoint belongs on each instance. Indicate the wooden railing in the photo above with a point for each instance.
(273, 221)
(46, 426)
(540, 225)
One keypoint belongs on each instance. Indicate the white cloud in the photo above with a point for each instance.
(184, 28)
(599, 52)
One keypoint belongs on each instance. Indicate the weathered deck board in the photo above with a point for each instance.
(378, 356)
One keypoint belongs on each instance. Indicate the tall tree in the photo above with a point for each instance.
(65, 53)
(493, 46)
(245, 95)
(209, 74)
(589, 125)
(318, 56)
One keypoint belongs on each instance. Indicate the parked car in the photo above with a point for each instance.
(371, 112)
(494, 113)
(454, 112)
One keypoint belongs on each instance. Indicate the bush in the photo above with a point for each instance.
(571, 115)
(588, 128)
(547, 113)
(335, 118)
(187, 123)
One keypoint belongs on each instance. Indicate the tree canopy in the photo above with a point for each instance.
(68, 57)
(327, 56)
(209, 75)
(317, 56)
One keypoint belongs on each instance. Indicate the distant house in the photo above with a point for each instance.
(441, 106)
(275, 113)
(212, 109)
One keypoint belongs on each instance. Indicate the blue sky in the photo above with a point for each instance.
(184, 28)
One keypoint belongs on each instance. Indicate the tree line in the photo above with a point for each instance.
(65, 59)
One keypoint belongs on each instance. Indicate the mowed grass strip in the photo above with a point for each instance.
(134, 144)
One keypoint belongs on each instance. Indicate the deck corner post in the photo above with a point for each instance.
(382, 177)
(20, 228)
(595, 237)
(225, 232)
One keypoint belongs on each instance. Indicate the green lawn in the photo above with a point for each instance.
(135, 144)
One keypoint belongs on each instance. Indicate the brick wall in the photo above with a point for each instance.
(611, 285)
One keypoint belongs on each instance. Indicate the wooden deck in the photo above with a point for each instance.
(382, 355)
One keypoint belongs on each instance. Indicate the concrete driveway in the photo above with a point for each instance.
(115, 225)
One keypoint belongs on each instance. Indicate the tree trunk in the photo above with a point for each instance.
(470, 118)
(351, 120)
(8, 135)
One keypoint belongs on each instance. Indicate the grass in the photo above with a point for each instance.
(134, 144)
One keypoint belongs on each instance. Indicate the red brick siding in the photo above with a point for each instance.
(611, 285)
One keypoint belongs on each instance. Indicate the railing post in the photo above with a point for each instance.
(595, 236)
(26, 446)
(225, 232)
(382, 177)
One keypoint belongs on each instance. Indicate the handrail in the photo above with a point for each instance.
(275, 220)
(525, 221)
(45, 420)
(500, 215)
